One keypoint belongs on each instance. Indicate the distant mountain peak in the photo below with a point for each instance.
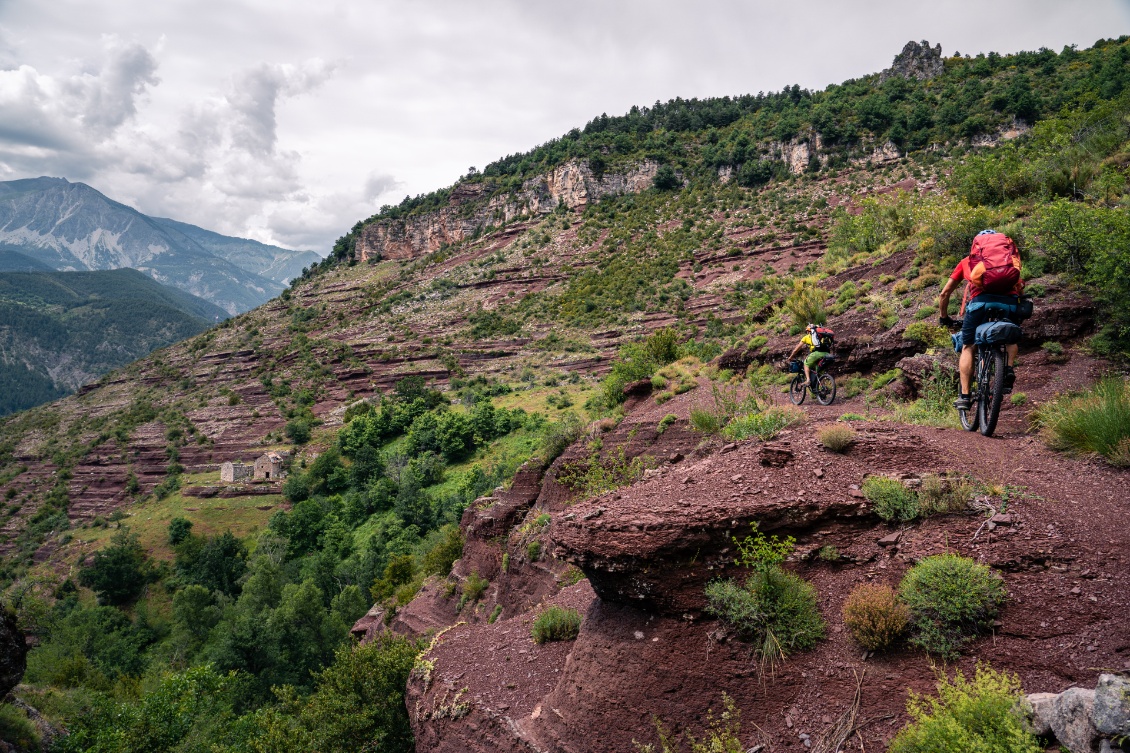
(73, 226)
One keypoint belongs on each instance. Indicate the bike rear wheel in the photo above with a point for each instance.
(992, 393)
(825, 388)
(798, 389)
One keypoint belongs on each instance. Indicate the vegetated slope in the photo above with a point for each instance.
(71, 226)
(532, 286)
(60, 330)
(12, 260)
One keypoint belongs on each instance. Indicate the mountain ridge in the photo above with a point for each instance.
(72, 227)
(60, 330)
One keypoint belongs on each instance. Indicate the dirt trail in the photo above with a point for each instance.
(646, 649)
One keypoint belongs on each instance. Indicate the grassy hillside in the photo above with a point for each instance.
(407, 388)
(62, 329)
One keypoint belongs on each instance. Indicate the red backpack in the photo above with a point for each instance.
(825, 339)
(994, 264)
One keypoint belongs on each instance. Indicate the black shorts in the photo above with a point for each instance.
(983, 308)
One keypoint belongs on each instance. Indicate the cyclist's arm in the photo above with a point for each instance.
(944, 298)
(796, 350)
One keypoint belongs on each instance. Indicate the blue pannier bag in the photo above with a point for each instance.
(956, 337)
(998, 333)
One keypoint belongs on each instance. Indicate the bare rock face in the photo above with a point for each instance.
(672, 534)
(13, 653)
(573, 185)
(917, 60)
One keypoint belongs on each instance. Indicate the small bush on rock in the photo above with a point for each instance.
(874, 616)
(978, 715)
(929, 335)
(775, 610)
(473, 589)
(951, 599)
(891, 499)
(556, 624)
(836, 438)
(942, 494)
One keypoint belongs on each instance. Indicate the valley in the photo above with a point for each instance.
(557, 385)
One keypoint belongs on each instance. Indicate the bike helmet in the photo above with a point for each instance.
(987, 232)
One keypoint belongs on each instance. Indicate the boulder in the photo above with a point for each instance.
(1037, 716)
(1111, 712)
(774, 455)
(13, 653)
(1070, 720)
(918, 369)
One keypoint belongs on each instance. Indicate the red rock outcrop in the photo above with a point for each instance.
(573, 185)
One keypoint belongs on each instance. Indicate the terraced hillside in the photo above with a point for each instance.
(550, 382)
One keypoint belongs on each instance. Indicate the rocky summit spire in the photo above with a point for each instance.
(917, 60)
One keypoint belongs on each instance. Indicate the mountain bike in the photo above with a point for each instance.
(825, 391)
(989, 362)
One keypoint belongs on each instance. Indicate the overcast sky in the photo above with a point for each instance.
(289, 120)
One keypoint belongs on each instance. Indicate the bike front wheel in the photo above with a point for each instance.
(992, 394)
(825, 389)
(798, 389)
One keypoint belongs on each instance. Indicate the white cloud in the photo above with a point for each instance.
(226, 113)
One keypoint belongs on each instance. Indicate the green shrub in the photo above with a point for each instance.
(775, 610)
(447, 547)
(17, 729)
(706, 421)
(944, 494)
(559, 436)
(968, 716)
(951, 599)
(473, 589)
(852, 417)
(179, 530)
(925, 313)
(890, 498)
(594, 475)
(572, 576)
(930, 335)
(1018, 398)
(494, 614)
(665, 422)
(765, 424)
(1096, 420)
(119, 572)
(1052, 348)
(874, 616)
(533, 550)
(722, 734)
(836, 438)
(556, 624)
(828, 554)
(882, 380)
(806, 303)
